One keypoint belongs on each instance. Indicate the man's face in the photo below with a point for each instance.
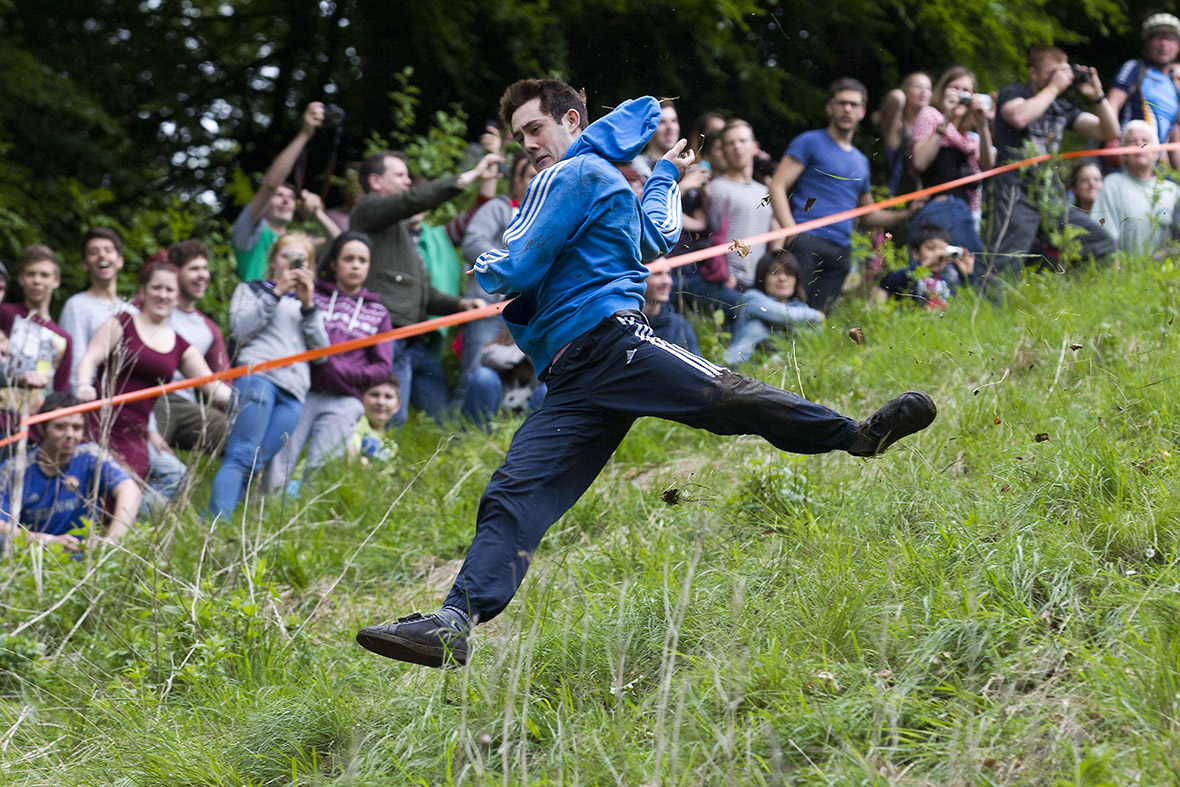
(281, 208)
(544, 139)
(1040, 74)
(194, 279)
(61, 437)
(659, 283)
(738, 147)
(846, 109)
(1162, 47)
(102, 260)
(394, 180)
(3, 289)
(39, 280)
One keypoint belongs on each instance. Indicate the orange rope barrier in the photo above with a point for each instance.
(470, 315)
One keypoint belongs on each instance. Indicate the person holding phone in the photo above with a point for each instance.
(269, 319)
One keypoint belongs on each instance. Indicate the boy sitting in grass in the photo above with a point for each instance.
(371, 442)
(936, 269)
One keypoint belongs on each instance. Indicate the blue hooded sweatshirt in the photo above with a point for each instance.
(576, 247)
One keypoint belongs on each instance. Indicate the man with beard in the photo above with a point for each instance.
(1143, 89)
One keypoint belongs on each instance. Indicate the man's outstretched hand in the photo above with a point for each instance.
(680, 157)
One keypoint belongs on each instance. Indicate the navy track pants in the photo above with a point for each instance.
(605, 379)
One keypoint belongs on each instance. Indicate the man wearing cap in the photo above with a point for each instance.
(1142, 89)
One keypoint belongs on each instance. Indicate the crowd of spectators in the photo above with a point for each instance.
(376, 263)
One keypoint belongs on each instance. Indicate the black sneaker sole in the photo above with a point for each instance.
(401, 649)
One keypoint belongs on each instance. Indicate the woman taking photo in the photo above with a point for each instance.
(267, 320)
(333, 406)
(131, 352)
(952, 139)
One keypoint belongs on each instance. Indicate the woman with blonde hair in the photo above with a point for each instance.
(269, 319)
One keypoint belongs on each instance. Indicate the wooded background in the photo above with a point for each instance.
(149, 116)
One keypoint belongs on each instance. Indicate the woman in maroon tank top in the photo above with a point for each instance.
(136, 351)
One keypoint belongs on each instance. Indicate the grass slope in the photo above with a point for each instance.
(979, 606)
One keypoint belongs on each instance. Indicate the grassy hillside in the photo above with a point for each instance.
(993, 602)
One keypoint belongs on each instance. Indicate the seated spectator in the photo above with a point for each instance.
(131, 352)
(1085, 183)
(372, 442)
(484, 233)
(505, 381)
(951, 139)
(667, 134)
(936, 269)
(40, 352)
(896, 120)
(84, 312)
(184, 421)
(273, 205)
(333, 405)
(268, 319)
(1136, 208)
(398, 273)
(665, 323)
(68, 486)
(774, 302)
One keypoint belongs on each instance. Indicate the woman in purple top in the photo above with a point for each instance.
(333, 405)
(137, 351)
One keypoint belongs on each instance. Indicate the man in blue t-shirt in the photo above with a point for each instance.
(67, 485)
(825, 174)
(1143, 89)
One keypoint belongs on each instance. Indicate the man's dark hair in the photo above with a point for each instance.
(848, 83)
(58, 400)
(774, 260)
(375, 165)
(105, 233)
(182, 252)
(927, 232)
(1041, 53)
(556, 96)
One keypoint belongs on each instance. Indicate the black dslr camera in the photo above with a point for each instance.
(1081, 74)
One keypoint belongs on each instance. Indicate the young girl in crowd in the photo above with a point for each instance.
(136, 351)
(774, 302)
(952, 139)
(269, 319)
(333, 406)
(896, 120)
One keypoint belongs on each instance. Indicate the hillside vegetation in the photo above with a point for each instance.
(992, 602)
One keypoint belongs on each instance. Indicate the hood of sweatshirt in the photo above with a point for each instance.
(622, 135)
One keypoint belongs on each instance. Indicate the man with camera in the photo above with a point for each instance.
(1031, 120)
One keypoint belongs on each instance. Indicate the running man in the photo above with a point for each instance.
(575, 262)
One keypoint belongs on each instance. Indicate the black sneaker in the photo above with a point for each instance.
(911, 412)
(435, 640)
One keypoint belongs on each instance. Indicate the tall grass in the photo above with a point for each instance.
(992, 602)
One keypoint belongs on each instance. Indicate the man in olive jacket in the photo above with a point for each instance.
(397, 273)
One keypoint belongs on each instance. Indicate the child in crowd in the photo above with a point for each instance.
(41, 352)
(936, 269)
(333, 406)
(775, 301)
(371, 441)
